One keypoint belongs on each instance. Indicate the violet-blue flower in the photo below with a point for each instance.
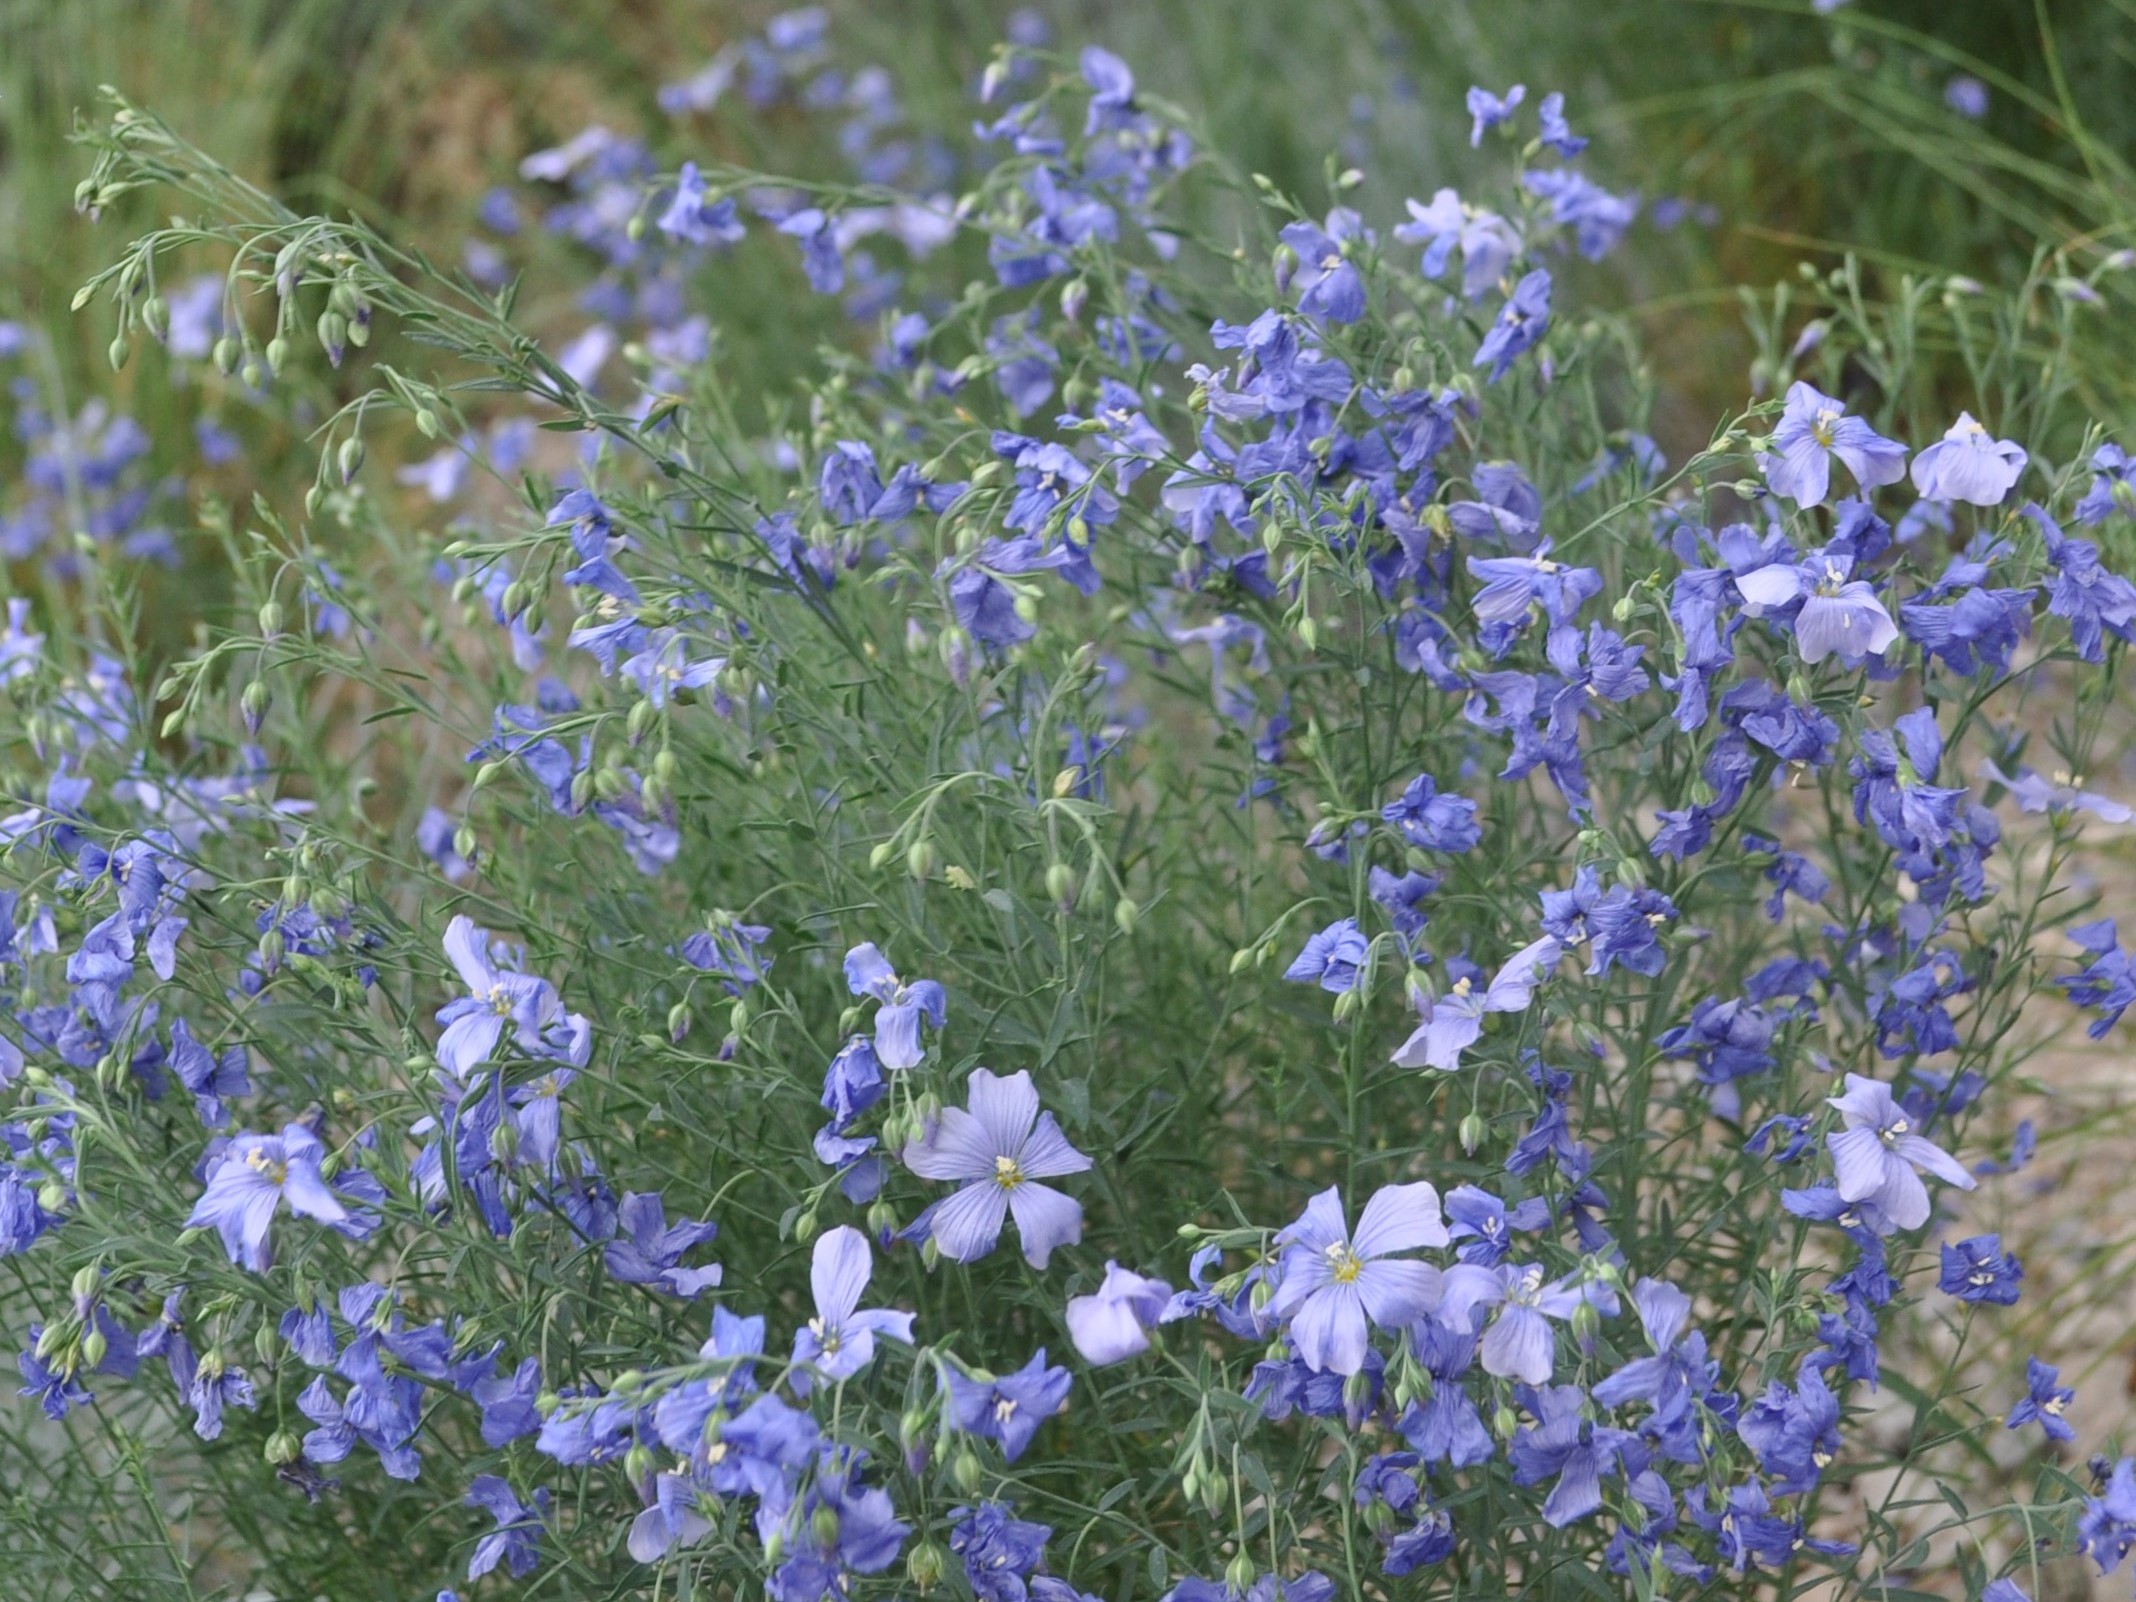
(2045, 1402)
(1837, 613)
(840, 1340)
(1879, 1160)
(1519, 1343)
(1812, 430)
(1979, 1270)
(1330, 958)
(1432, 821)
(1520, 325)
(901, 1007)
(1010, 1408)
(1335, 1284)
(1487, 110)
(474, 1024)
(1453, 1022)
(1968, 464)
(516, 1541)
(253, 1178)
(1112, 1324)
(650, 1250)
(999, 1149)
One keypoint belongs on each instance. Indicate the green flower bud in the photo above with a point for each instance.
(966, 1469)
(1060, 885)
(924, 1565)
(283, 1447)
(1472, 1130)
(226, 354)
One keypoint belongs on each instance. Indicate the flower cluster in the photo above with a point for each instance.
(886, 870)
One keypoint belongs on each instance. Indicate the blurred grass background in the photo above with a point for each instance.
(1806, 135)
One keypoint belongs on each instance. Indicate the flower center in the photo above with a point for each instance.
(260, 1163)
(1004, 1410)
(828, 1339)
(499, 1001)
(1344, 1265)
(1527, 1288)
(1008, 1173)
(1821, 429)
(1890, 1135)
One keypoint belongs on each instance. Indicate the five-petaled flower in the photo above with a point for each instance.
(1877, 1157)
(1813, 429)
(255, 1176)
(840, 1340)
(1335, 1283)
(1000, 1149)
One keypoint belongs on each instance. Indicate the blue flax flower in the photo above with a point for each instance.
(2045, 1403)
(1519, 1343)
(1834, 613)
(2034, 793)
(1008, 1409)
(999, 1149)
(1813, 429)
(1968, 464)
(1445, 1426)
(1306, 1587)
(1487, 110)
(255, 1175)
(2107, 1527)
(497, 996)
(1979, 1270)
(840, 1340)
(901, 1007)
(1453, 1022)
(1328, 282)
(516, 1541)
(1335, 1285)
(1331, 958)
(1878, 1159)
(1520, 325)
(2113, 487)
(1112, 1324)
(1566, 1443)
(1431, 821)
(2094, 600)
(650, 1249)
(1001, 1553)
(2107, 981)
(1795, 1433)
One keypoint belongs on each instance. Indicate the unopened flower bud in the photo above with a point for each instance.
(638, 1462)
(282, 1448)
(1060, 885)
(920, 859)
(1124, 914)
(1239, 1574)
(966, 1469)
(924, 1565)
(94, 1345)
(1472, 1129)
(226, 354)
